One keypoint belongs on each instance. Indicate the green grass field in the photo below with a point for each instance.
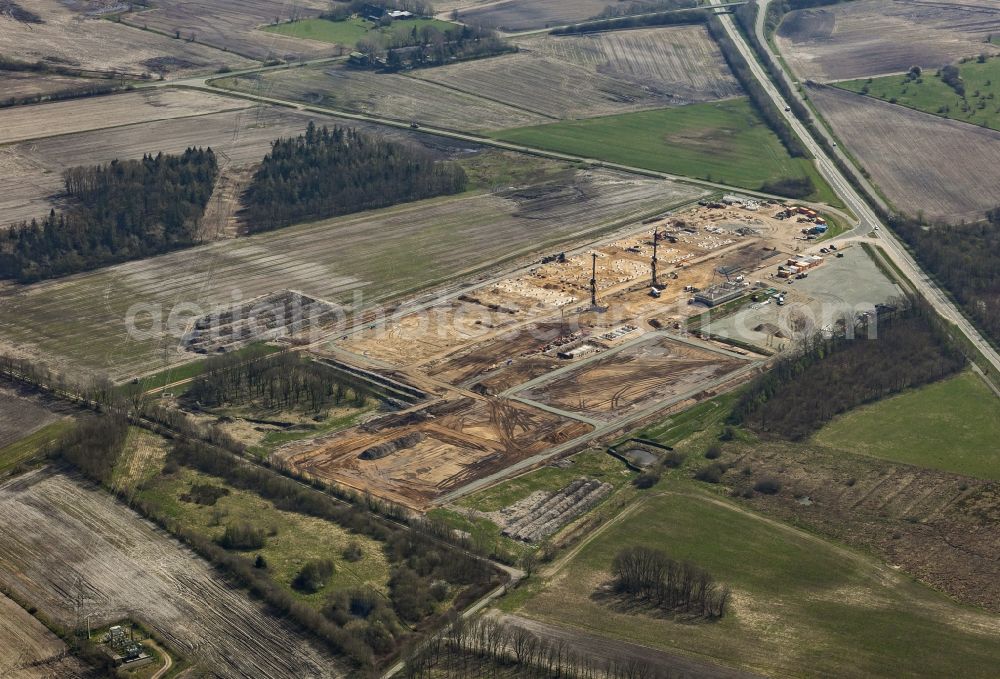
(298, 538)
(953, 425)
(932, 95)
(350, 31)
(19, 451)
(706, 418)
(724, 141)
(801, 606)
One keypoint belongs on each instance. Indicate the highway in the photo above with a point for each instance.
(867, 219)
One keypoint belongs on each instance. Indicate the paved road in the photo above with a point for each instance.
(868, 220)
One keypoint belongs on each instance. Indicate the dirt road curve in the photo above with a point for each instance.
(168, 662)
(600, 649)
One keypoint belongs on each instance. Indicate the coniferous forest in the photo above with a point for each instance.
(325, 173)
(121, 211)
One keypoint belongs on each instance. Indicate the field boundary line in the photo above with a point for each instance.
(474, 95)
(205, 85)
(26, 140)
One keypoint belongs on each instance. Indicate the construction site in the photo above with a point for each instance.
(542, 359)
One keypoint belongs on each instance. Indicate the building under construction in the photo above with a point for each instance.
(721, 293)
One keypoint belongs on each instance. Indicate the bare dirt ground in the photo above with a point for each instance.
(632, 378)
(601, 74)
(920, 161)
(486, 363)
(525, 15)
(71, 36)
(94, 113)
(877, 37)
(64, 542)
(231, 25)
(32, 183)
(466, 439)
(29, 651)
(940, 527)
(508, 330)
(388, 95)
(493, 328)
(382, 254)
(21, 414)
(600, 650)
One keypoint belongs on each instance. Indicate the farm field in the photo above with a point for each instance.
(69, 35)
(32, 445)
(58, 530)
(920, 161)
(348, 32)
(932, 95)
(21, 414)
(232, 25)
(951, 425)
(839, 612)
(877, 37)
(66, 117)
(387, 95)
(21, 85)
(32, 182)
(722, 141)
(30, 651)
(601, 74)
(415, 242)
(525, 15)
(635, 377)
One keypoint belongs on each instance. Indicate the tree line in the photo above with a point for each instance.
(758, 97)
(488, 647)
(122, 210)
(965, 258)
(634, 7)
(325, 173)
(94, 446)
(423, 46)
(424, 571)
(344, 10)
(288, 381)
(629, 20)
(831, 375)
(649, 576)
(430, 46)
